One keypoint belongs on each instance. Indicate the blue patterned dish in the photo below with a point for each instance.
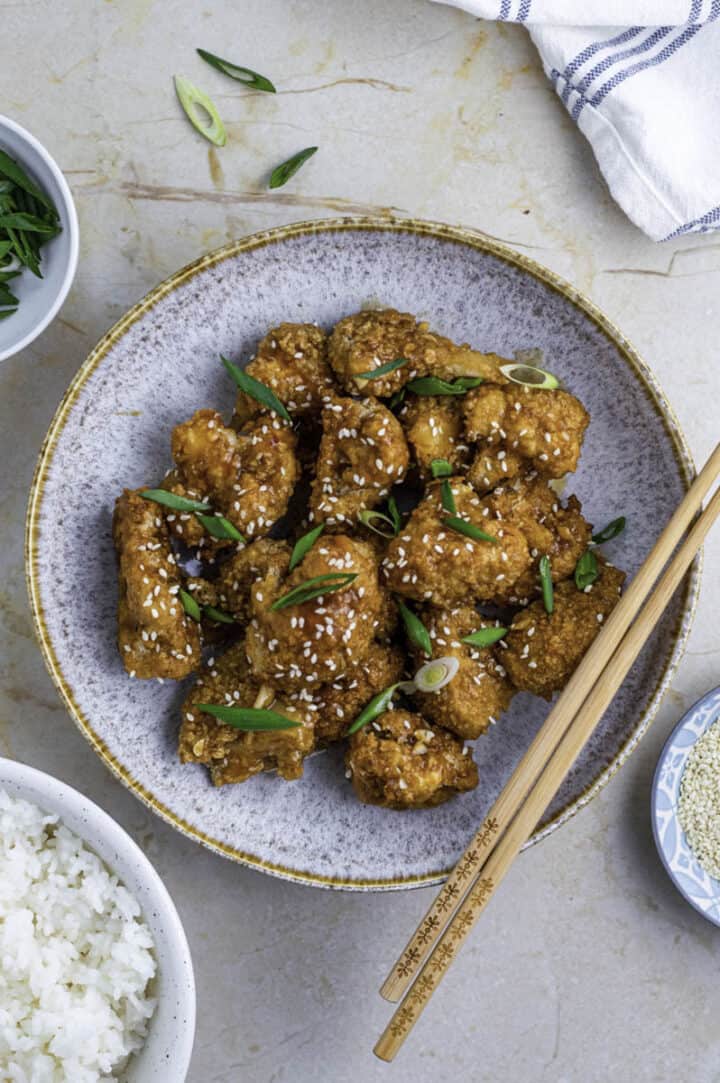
(691, 880)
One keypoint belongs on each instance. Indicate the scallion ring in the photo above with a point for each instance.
(529, 376)
(193, 100)
(436, 674)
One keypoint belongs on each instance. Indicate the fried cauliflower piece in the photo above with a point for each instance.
(245, 567)
(434, 428)
(339, 703)
(362, 454)
(155, 636)
(429, 561)
(185, 526)
(367, 340)
(480, 691)
(292, 361)
(545, 649)
(549, 527)
(248, 476)
(306, 645)
(402, 761)
(522, 427)
(235, 755)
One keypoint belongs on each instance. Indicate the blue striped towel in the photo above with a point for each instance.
(646, 96)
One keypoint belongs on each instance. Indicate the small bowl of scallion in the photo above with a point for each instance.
(38, 238)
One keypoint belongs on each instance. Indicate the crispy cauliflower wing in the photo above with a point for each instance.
(309, 644)
(248, 476)
(402, 761)
(545, 649)
(234, 755)
(434, 428)
(480, 691)
(367, 340)
(362, 454)
(430, 561)
(339, 703)
(520, 427)
(155, 636)
(292, 361)
(246, 566)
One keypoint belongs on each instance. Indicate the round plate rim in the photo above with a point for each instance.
(440, 231)
(677, 728)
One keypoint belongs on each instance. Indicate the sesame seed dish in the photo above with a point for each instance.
(371, 549)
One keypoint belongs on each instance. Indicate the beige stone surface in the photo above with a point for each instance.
(587, 966)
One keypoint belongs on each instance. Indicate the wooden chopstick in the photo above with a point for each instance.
(530, 766)
(588, 711)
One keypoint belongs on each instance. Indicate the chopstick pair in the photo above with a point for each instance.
(538, 776)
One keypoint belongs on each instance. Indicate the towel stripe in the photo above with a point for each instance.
(597, 46)
(650, 41)
(707, 222)
(660, 58)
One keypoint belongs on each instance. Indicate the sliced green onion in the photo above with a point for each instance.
(314, 588)
(172, 500)
(218, 615)
(440, 468)
(546, 583)
(586, 570)
(220, 527)
(485, 637)
(377, 706)
(610, 531)
(248, 718)
(433, 385)
(396, 398)
(416, 630)
(462, 526)
(377, 522)
(529, 376)
(447, 498)
(382, 370)
(436, 674)
(255, 389)
(246, 76)
(304, 545)
(192, 99)
(28, 222)
(190, 605)
(9, 168)
(7, 312)
(282, 173)
(394, 513)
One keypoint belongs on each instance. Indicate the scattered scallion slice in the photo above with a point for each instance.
(396, 399)
(433, 385)
(246, 76)
(382, 370)
(610, 531)
(485, 637)
(447, 498)
(248, 718)
(193, 100)
(440, 468)
(190, 605)
(436, 674)
(377, 706)
(314, 588)
(218, 615)
(220, 527)
(546, 583)
(394, 513)
(10, 169)
(174, 501)
(282, 173)
(416, 630)
(304, 545)
(529, 376)
(255, 389)
(462, 526)
(586, 570)
(378, 522)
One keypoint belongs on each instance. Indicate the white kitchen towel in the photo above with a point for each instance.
(646, 96)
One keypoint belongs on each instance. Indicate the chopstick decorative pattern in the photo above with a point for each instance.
(543, 767)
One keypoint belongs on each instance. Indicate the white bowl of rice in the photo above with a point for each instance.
(96, 979)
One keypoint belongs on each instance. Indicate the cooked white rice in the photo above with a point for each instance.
(75, 956)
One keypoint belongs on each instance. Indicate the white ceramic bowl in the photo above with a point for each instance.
(166, 1054)
(40, 298)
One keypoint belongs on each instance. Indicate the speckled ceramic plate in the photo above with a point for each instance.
(701, 890)
(160, 363)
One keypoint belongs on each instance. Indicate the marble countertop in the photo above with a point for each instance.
(587, 966)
